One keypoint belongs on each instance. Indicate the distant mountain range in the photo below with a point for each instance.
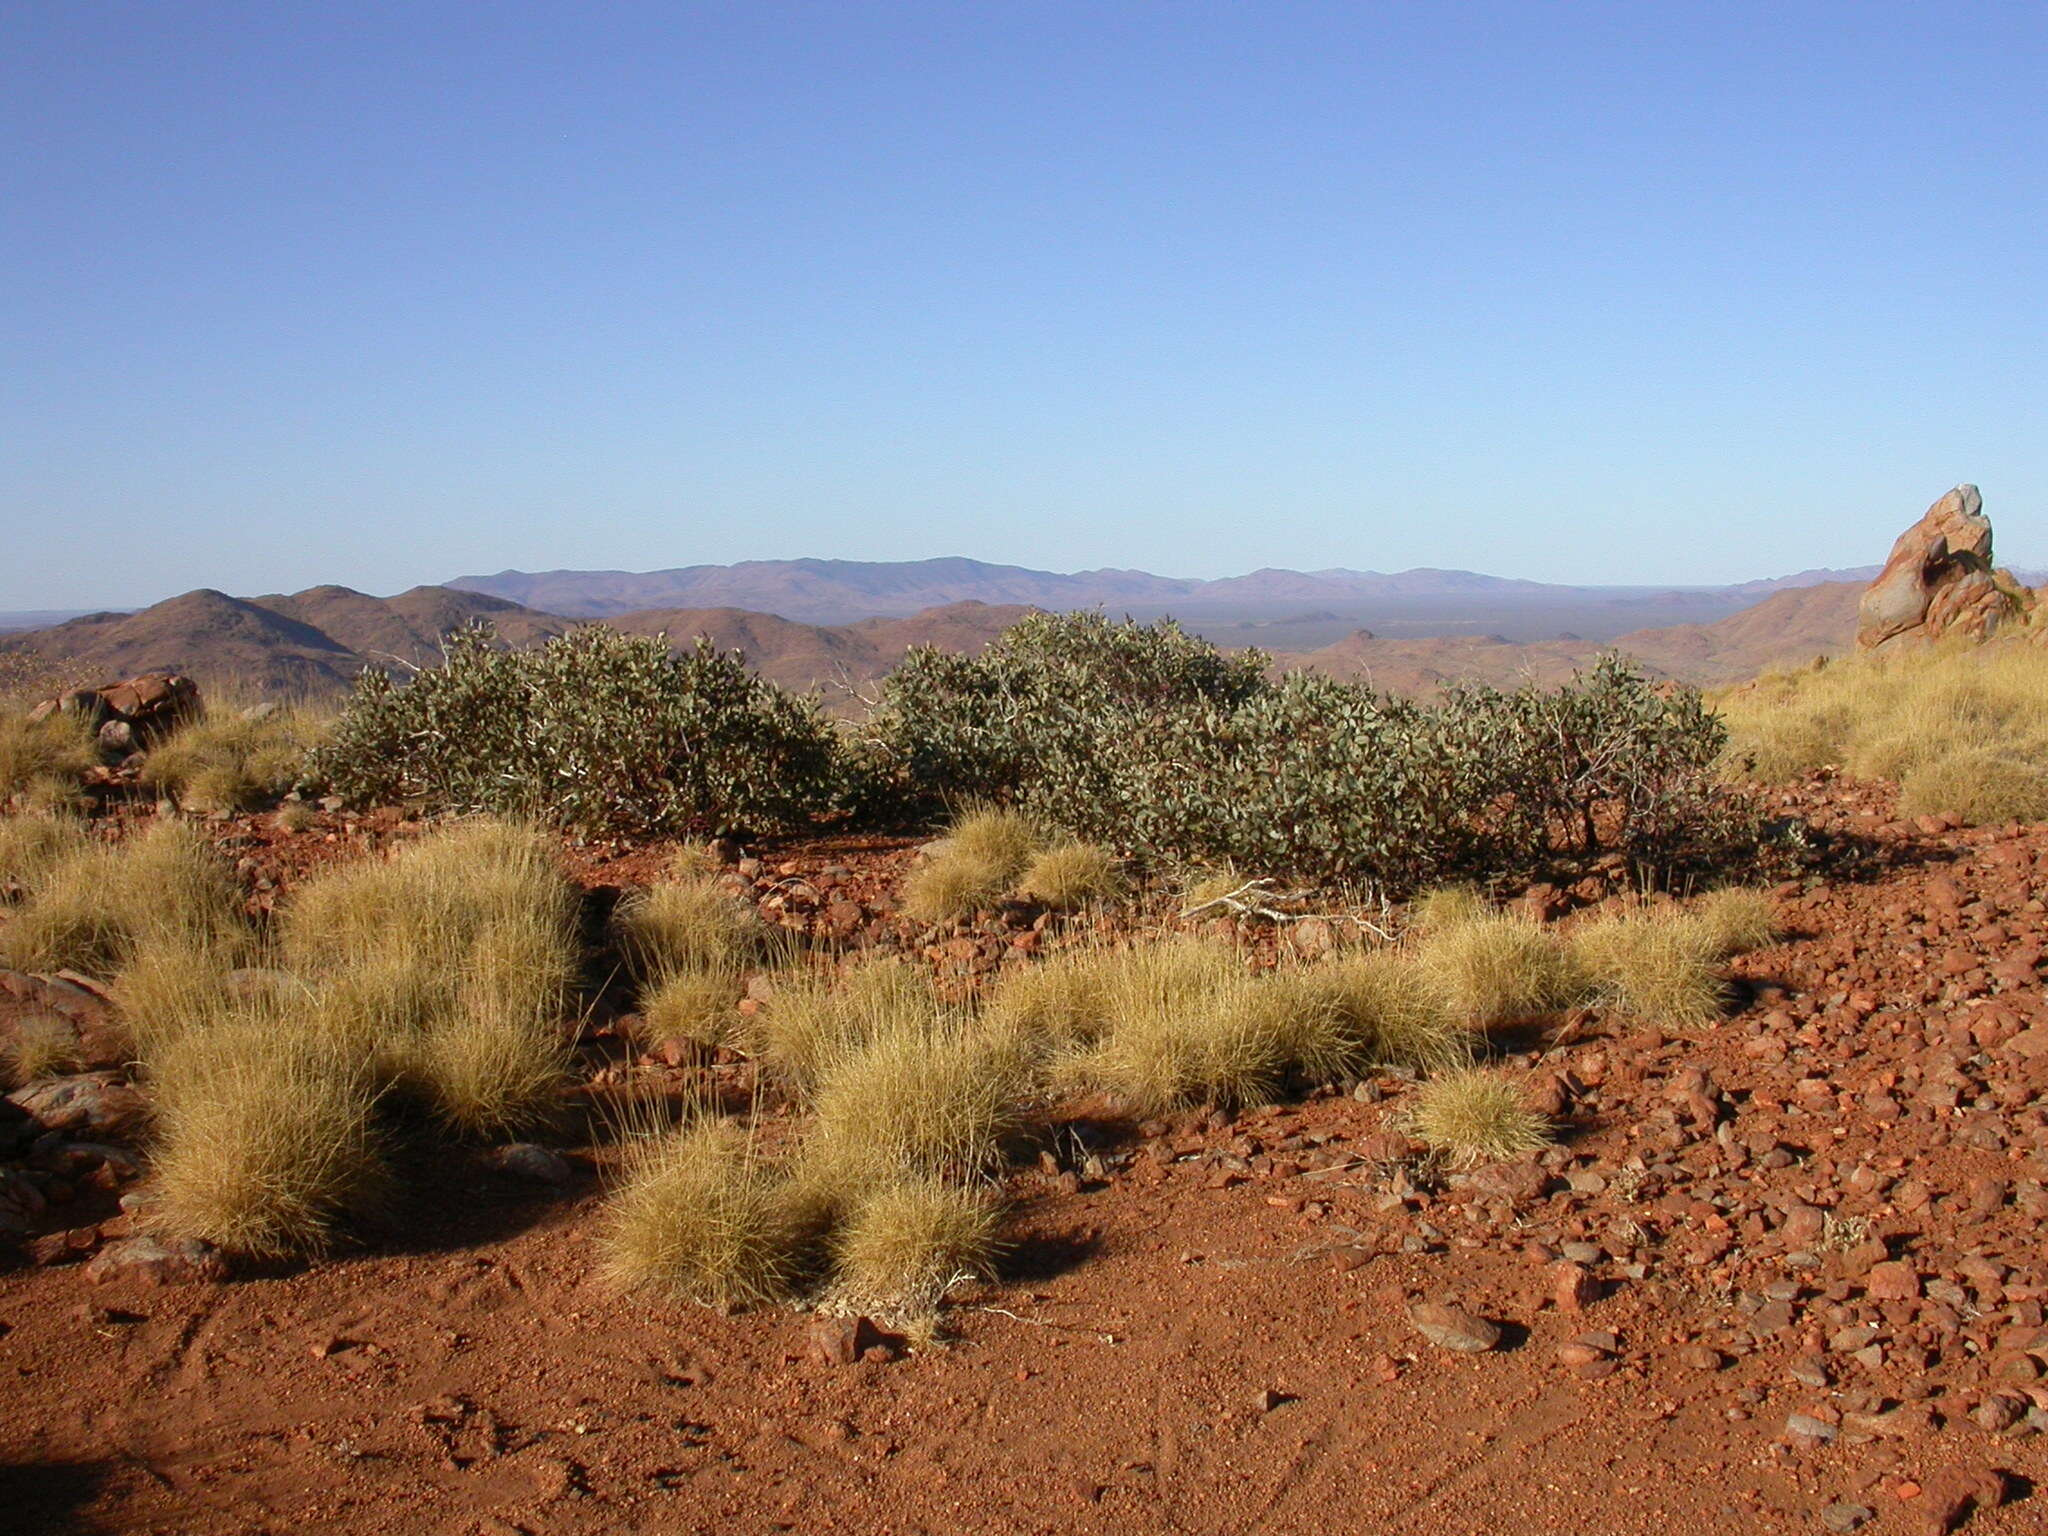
(838, 591)
(314, 643)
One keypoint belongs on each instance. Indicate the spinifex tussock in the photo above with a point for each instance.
(450, 965)
(1959, 726)
(1185, 1024)
(699, 1217)
(234, 761)
(1737, 919)
(981, 857)
(927, 1094)
(43, 758)
(906, 1242)
(814, 1019)
(687, 922)
(266, 1140)
(92, 907)
(1653, 960)
(1388, 1015)
(1071, 875)
(1477, 1117)
(1492, 968)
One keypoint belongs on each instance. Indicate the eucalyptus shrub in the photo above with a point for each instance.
(1151, 741)
(597, 731)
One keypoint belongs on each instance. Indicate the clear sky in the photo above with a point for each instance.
(389, 293)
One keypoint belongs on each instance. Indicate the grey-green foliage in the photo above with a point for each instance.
(1149, 740)
(598, 731)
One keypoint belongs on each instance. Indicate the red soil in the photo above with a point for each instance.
(1822, 1216)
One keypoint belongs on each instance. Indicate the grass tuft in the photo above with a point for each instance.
(1655, 961)
(451, 965)
(92, 907)
(688, 922)
(1387, 1015)
(1447, 906)
(234, 761)
(906, 1243)
(1185, 1024)
(43, 1046)
(1963, 728)
(981, 857)
(811, 1021)
(699, 1218)
(32, 845)
(1493, 968)
(927, 1094)
(1737, 919)
(1069, 876)
(39, 757)
(266, 1141)
(1477, 1117)
(696, 1007)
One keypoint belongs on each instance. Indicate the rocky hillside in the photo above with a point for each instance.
(316, 642)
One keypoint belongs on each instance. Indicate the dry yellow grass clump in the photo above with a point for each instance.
(43, 760)
(927, 1094)
(1387, 1015)
(1493, 968)
(91, 907)
(43, 1046)
(983, 855)
(1447, 906)
(1477, 1117)
(1185, 1023)
(1068, 876)
(266, 1140)
(234, 760)
(696, 1007)
(906, 1243)
(699, 1217)
(1654, 960)
(1057, 1003)
(812, 1020)
(452, 964)
(34, 843)
(687, 922)
(1963, 728)
(1737, 919)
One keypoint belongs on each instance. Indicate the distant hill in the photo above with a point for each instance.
(840, 591)
(308, 643)
(1789, 627)
(317, 642)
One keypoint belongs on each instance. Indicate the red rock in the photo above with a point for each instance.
(1893, 1281)
(843, 1340)
(1574, 1288)
(1953, 1494)
(158, 1261)
(1453, 1328)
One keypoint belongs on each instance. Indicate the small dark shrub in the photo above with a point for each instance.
(597, 731)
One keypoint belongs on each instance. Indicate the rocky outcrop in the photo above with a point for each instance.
(128, 715)
(1939, 581)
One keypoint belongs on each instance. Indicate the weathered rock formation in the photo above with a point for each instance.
(1939, 581)
(128, 715)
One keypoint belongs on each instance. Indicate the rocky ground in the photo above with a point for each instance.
(1781, 1275)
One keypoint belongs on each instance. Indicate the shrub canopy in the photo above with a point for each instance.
(1142, 738)
(598, 731)
(1149, 740)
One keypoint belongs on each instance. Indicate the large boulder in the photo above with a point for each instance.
(1939, 581)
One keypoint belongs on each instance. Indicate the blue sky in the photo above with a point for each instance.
(382, 294)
